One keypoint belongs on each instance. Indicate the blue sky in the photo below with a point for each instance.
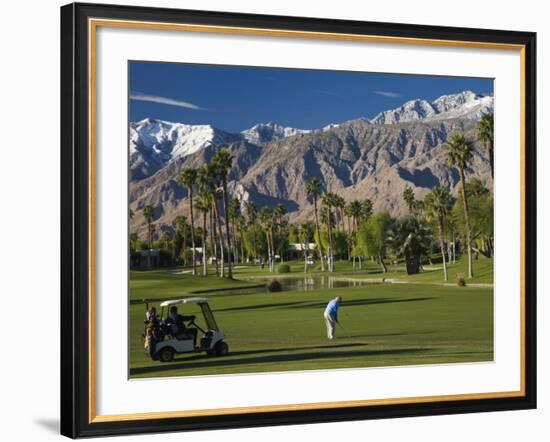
(234, 98)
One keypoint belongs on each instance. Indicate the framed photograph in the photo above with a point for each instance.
(280, 220)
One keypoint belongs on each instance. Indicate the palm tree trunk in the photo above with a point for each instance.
(268, 248)
(227, 228)
(241, 235)
(150, 241)
(204, 263)
(192, 230)
(213, 239)
(254, 242)
(454, 248)
(355, 226)
(219, 234)
(272, 250)
(382, 263)
(330, 242)
(467, 219)
(442, 245)
(235, 244)
(318, 234)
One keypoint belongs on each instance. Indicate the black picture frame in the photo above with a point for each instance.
(75, 221)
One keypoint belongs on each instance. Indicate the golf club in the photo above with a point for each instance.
(343, 329)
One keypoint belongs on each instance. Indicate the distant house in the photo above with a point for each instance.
(296, 250)
(300, 247)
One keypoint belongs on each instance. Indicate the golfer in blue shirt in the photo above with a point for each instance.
(331, 316)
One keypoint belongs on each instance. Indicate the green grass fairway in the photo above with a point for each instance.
(385, 324)
(170, 284)
(483, 272)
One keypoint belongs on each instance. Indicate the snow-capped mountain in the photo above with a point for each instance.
(267, 132)
(466, 104)
(155, 143)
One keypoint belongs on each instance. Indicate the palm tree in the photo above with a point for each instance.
(451, 232)
(313, 189)
(355, 210)
(485, 134)
(418, 207)
(306, 232)
(459, 154)
(411, 238)
(328, 202)
(133, 241)
(279, 212)
(366, 209)
(438, 203)
(207, 185)
(241, 225)
(188, 178)
(179, 223)
(234, 212)
(339, 204)
(218, 234)
(252, 216)
(151, 230)
(266, 218)
(408, 197)
(166, 239)
(349, 234)
(222, 162)
(202, 204)
(148, 211)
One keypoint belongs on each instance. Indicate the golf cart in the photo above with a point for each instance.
(162, 340)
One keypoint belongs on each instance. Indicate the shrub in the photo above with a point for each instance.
(460, 280)
(274, 285)
(283, 268)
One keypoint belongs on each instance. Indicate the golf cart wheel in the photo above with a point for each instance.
(166, 354)
(221, 348)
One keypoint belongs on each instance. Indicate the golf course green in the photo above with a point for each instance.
(413, 320)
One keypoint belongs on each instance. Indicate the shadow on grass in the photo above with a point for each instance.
(305, 304)
(190, 363)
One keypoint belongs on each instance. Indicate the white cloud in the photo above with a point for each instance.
(388, 94)
(163, 100)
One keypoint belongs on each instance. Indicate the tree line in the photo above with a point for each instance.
(232, 231)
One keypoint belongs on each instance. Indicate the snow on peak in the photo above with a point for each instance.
(266, 132)
(155, 143)
(329, 127)
(466, 104)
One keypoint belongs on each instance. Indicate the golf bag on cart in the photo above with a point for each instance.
(153, 332)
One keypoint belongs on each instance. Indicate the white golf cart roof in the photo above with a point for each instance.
(184, 301)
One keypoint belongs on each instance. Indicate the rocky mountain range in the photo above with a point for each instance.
(363, 158)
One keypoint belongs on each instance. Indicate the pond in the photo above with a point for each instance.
(288, 283)
(315, 282)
